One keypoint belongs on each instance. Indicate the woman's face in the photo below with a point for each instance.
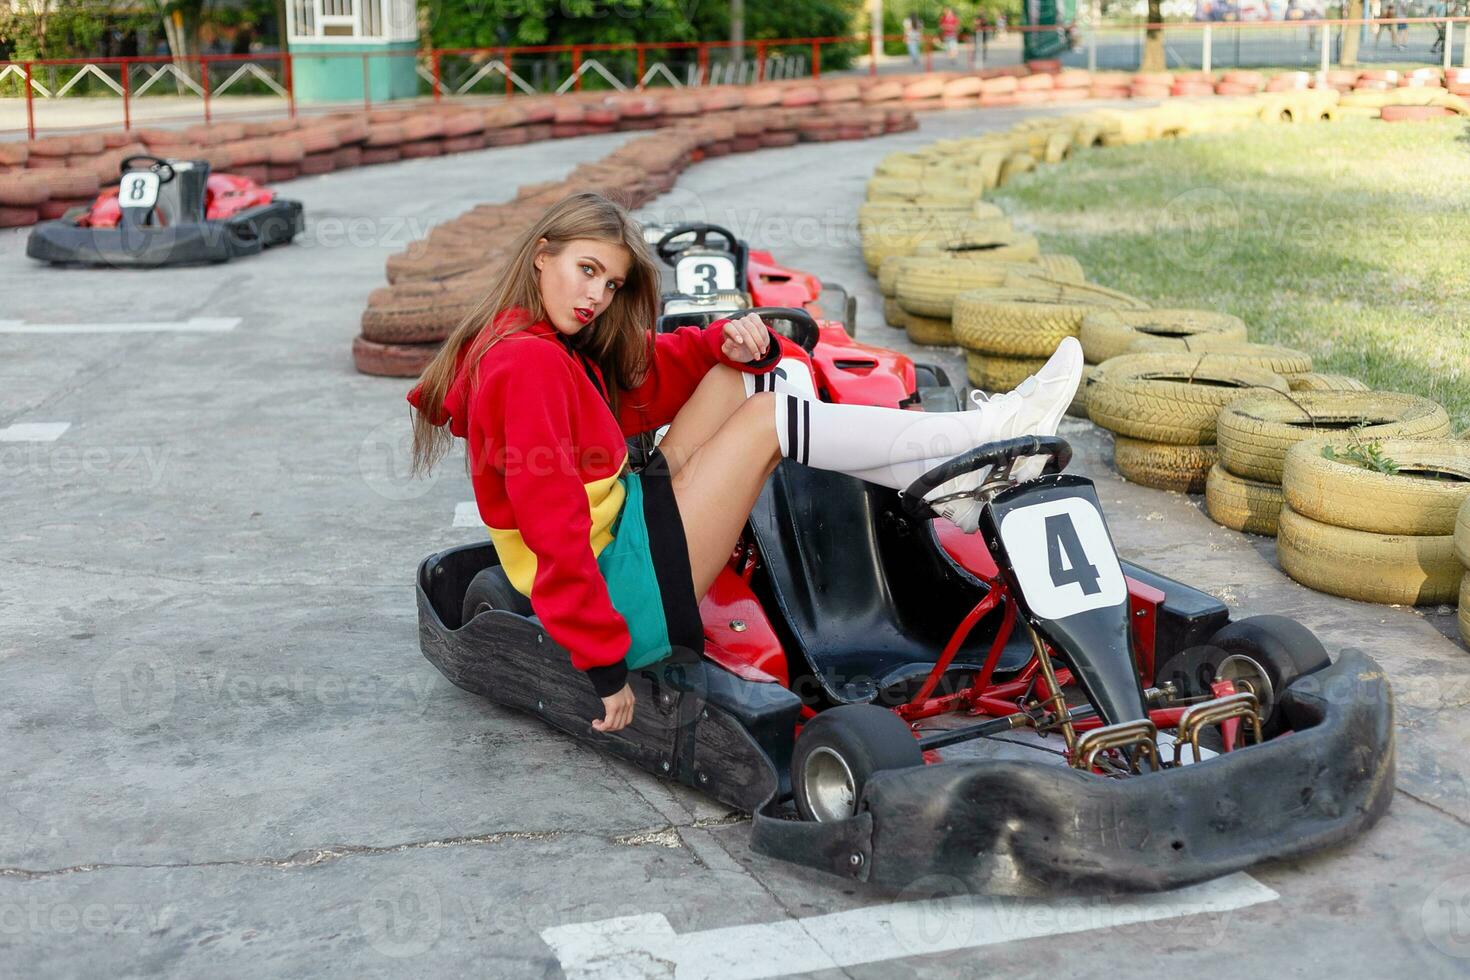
(578, 283)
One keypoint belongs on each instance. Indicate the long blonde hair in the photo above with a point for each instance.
(617, 342)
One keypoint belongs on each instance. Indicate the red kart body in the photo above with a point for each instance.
(225, 196)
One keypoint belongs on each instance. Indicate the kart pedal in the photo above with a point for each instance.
(1207, 713)
(1140, 733)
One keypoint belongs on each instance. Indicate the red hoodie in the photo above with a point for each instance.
(545, 453)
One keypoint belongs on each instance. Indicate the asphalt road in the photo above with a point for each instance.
(222, 754)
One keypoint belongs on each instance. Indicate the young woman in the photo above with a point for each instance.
(558, 366)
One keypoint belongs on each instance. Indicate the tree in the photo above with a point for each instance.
(41, 29)
(1153, 41)
(1348, 56)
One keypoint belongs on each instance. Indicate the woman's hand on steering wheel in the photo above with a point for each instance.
(746, 339)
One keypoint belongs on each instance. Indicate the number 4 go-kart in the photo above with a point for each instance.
(1015, 708)
(168, 212)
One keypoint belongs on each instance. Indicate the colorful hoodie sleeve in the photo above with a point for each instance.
(680, 361)
(535, 405)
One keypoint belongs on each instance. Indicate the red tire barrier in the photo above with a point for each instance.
(464, 144)
(318, 163)
(1413, 113)
(380, 154)
(392, 360)
(419, 149)
(23, 190)
(18, 217)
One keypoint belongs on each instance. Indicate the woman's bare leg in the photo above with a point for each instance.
(720, 482)
(715, 399)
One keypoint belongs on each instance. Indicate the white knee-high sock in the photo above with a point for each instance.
(790, 377)
(888, 446)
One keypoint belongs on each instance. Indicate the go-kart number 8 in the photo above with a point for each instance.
(138, 189)
(704, 275)
(1063, 558)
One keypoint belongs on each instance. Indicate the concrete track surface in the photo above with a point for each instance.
(222, 754)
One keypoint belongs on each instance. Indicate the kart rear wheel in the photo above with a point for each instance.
(839, 750)
(1265, 654)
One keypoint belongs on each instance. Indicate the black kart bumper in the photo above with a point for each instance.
(201, 242)
(1007, 827)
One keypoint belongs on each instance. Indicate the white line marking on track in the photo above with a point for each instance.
(646, 945)
(467, 514)
(33, 431)
(198, 324)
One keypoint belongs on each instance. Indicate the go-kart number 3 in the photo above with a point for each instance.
(703, 276)
(138, 189)
(1063, 558)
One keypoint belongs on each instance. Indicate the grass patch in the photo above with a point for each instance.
(1347, 240)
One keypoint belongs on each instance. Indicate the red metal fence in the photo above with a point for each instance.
(456, 72)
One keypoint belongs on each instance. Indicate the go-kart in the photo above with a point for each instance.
(168, 212)
(1016, 709)
(717, 275)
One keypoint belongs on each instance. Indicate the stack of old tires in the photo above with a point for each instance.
(1375, 520)
(1168, 457)
(1008, 332)
(438, 281)
(1255, 433)
(1162, 407)
(1462, 552)
(930, 239)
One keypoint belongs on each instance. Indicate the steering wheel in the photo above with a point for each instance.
(158, 165)
(793, 324)
(670, 252)
(1000, 455)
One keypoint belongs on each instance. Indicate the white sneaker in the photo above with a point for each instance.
(1034, 407)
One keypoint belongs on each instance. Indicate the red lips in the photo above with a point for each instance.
(583, 314)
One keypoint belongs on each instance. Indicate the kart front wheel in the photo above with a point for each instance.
(839, 750)
(1264, 655)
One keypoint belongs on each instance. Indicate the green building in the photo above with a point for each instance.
(342, 48)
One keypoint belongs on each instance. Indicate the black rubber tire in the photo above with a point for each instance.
(490, 590)
(1284, 650)
(865, 737)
